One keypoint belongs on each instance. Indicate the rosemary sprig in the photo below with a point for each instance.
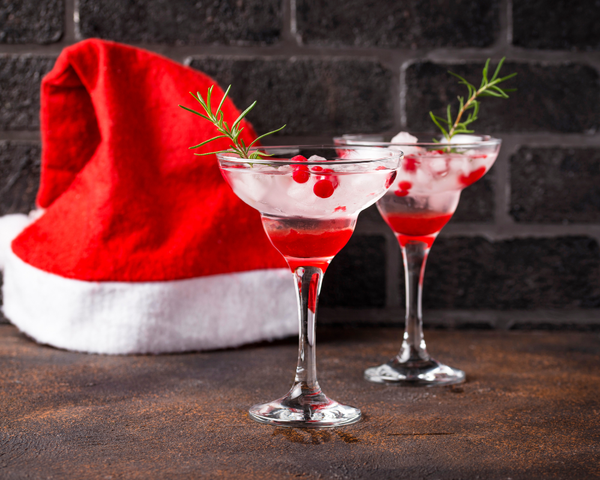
(232, 133)
(488, 88)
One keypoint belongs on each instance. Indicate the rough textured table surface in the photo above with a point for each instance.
(530, 409)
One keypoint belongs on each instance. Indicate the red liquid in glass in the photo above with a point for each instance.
(417, 226)
(308, 247)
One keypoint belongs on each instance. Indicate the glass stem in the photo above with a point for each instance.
(308, 281)
(414, 255)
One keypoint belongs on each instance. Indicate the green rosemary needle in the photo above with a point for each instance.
(488, 88)
(238, 145)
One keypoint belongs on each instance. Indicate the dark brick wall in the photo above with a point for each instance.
(556, 24)
(181, 22)
(406, 24)
(20, 77)
(523, 243)
(477, 202)
(356, 277)
(31, 21)
(524, 273)
(560, 98)
(555, 185)
(309, 95)
(19, 176)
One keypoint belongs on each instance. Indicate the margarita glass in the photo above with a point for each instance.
(422, 199)
(309, 199)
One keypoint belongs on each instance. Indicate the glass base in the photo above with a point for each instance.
(416, 373)
(305, 410)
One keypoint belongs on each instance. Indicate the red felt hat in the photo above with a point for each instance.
(128, 208)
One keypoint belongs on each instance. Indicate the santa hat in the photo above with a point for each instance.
(141, 247)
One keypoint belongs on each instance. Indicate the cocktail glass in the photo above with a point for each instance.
(309, 199)
(420, 202)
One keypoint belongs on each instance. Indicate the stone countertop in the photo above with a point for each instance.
(530, 409)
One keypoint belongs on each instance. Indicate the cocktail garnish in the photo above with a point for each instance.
(238, 145)
(488, 88)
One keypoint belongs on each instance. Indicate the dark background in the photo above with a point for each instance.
(523, 248)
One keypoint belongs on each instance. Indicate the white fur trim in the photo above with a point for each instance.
(149, 317)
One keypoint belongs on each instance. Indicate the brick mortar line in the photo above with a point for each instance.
(497, 319)
(76, 21)
(293, 24)
(288, 22)
(540, 140)
(506, 6)
(536, 140)
(545, 140)
(515, 54)
(496, 232)
(389, 63)
(20, 136)
(403, 93)
(394, 271)
(511, 141)
(70, 27)
(502, 219)
(519, 140)
(386, 56)
(397, 93)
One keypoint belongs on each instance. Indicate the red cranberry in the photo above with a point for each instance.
(298, 158)
(323, 188)
(332, 178)
(410, 163)
(404, 185)
(472, 177)
(301, 174)
(390, 179)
